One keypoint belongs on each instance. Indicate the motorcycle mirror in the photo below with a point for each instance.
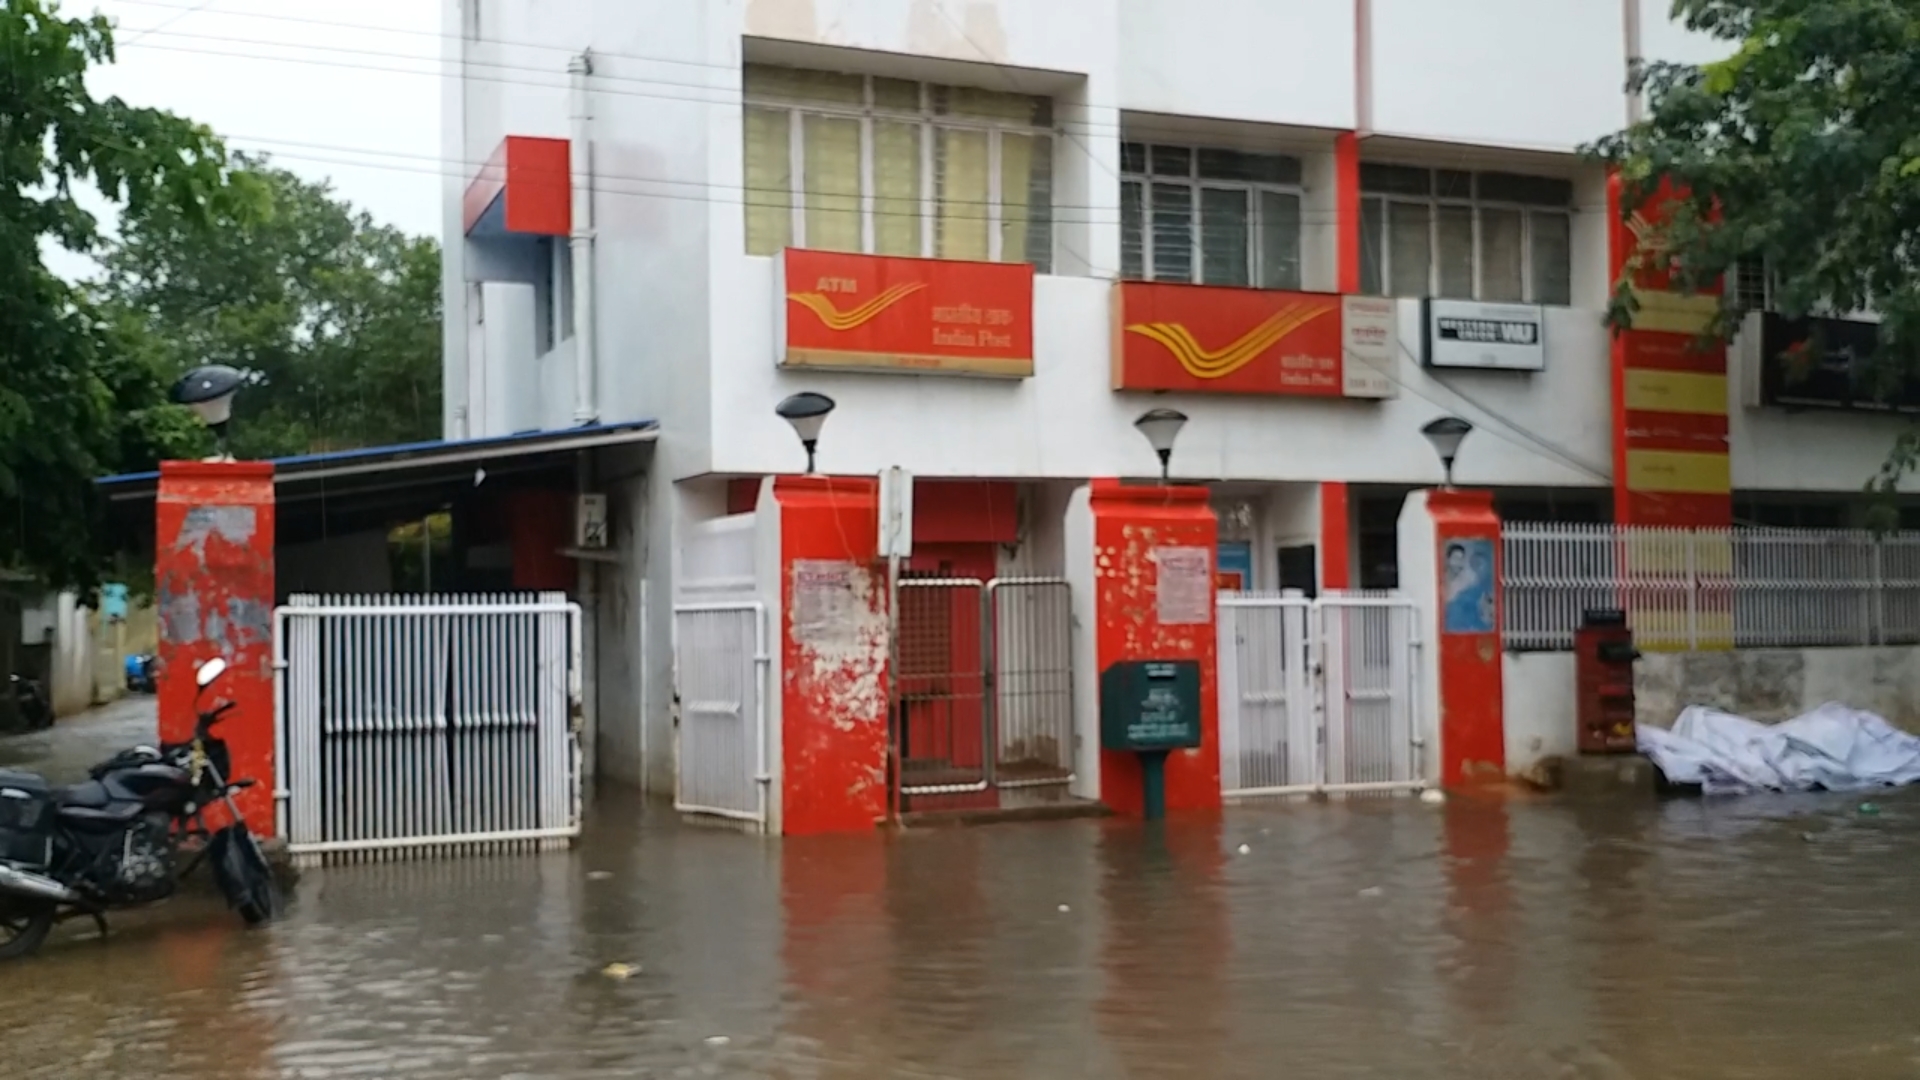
(210, 671)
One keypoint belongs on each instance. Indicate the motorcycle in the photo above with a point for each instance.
(140, 673)
(116, 841)
(31, 702)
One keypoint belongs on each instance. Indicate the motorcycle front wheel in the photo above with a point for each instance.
(24, 926)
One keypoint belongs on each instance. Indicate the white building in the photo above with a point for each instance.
(1232, 143)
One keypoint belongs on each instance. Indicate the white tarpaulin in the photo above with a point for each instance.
(1832, 748)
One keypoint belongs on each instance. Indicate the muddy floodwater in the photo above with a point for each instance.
(1756, 939)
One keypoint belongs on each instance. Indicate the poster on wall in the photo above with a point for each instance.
(1183, 586)
(826, 603)
(1233, 570)
(1467, 586)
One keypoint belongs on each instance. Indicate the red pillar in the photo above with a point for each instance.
(1346, 211)
(213, 568)
(1154, 600)
(834, 642)
(1473, 741)
(1336, 536)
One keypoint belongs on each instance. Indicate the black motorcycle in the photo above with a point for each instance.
(30, 700)
(118, 840)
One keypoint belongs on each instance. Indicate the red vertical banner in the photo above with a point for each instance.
(834, 642)
(1670, 455)
(1336, 536)
(214, 591)
(1154, 600)
(1346, 211)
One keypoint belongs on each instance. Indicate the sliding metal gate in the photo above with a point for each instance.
(983, 684)
(412, 726)
(1319, 695)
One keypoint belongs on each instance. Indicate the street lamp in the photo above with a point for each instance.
(209, 390)
(1162, 427)
(1446, 434)
(807, 412)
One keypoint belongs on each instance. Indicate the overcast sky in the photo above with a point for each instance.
(340, 90)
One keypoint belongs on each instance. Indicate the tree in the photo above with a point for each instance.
(1801, 149)
(74, 402)
(336, 317)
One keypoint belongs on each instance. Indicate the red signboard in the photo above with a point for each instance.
(873, 312)
(1250, 341)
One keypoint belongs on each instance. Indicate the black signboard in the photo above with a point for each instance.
(1829, 364)
(1150, 705)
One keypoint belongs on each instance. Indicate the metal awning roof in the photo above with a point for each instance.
(427, 462)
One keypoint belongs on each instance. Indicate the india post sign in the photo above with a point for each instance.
(878, 313)
(1251, 341)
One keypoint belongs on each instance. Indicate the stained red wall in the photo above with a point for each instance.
(213, 570)
(1129, 523)
(833, 641)
(1473, 739)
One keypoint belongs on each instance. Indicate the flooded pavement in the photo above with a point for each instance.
(1760, 938)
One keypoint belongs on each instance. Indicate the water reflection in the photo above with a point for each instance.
(1764, 938)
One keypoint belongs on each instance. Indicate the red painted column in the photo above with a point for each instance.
(834, 652)
(1472, 696)
(213, 569)
(1346, 211)
(1336, 536)
(1154, 600)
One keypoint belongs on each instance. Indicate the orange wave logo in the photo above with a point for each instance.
(1204, 363)
(1647, 237)
(841, 321)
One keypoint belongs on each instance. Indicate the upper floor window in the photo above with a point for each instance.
(1217, 217)
(890, 167)
(1750, 284)
(1490, 236)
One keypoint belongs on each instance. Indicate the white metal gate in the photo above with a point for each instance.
(720, 682)
(411, 725)
(1319, 695)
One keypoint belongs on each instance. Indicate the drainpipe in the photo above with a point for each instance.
(1630, 12)
(1363, 67)
(586, 406)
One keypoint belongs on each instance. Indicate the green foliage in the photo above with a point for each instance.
(1802, 148)
(75, 400)
(337, 317)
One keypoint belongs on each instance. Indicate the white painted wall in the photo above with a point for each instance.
(1546, 74)
(1540, 709)
(1260, 60)
(1420, 579)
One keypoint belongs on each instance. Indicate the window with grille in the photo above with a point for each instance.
(1499, 237)
(1215, 217)
(1751, 284)
(891, 167)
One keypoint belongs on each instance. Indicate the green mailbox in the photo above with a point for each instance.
(1151, 707)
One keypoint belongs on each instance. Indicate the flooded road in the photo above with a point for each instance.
(1756, 939)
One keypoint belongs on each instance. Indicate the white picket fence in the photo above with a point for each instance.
(427, 725)
(1708, 588)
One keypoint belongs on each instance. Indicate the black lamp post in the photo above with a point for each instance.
(807, 412)
(1162, 427)
(209, 391)
(1446, 434)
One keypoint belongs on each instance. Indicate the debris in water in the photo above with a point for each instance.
(599, 875)
(1064, 909)
(1869, 808)
(1433, 796)
(620, 971)
(1372, 891)
(718, 1040)
(1245, 850)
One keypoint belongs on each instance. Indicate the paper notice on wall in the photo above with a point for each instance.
(1183, 585)
(1369, 345)
(825, 602)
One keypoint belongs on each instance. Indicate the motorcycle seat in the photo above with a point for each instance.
(91, 794)
(115, 816)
